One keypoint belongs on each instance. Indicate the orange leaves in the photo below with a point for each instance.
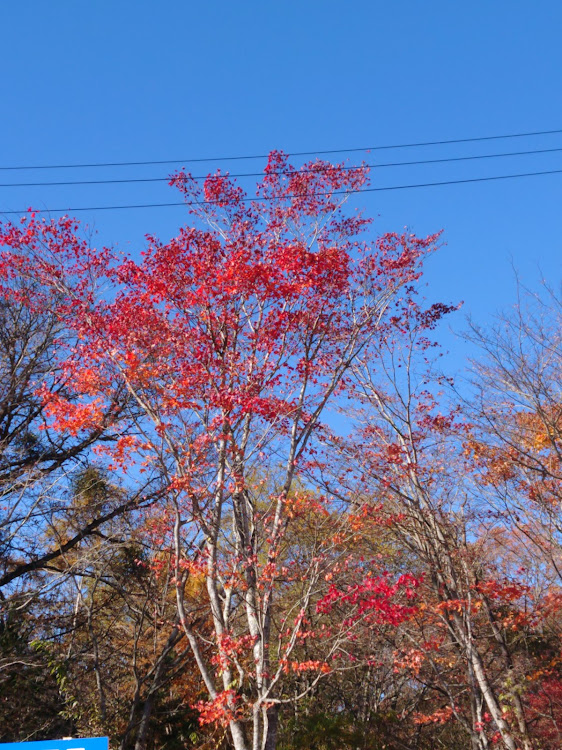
(72, 417)
(411, 660)
(305, 666)
(362, 522)
(452, 605)
(441, 716)
(87, 381)
(524, 452)
(539, 432)
(311, 666)
(300, 504)
(120, 451)
(496, 463)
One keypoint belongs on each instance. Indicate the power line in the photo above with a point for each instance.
(294, 153)
(305, 195)
(288, 172)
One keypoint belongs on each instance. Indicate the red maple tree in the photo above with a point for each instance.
(230, 341)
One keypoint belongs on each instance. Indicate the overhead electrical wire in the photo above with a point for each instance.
(264, 199)
(288, 172)
(294, 153)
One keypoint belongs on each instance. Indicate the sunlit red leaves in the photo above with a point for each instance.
(222, 709)
(314, 188)
(120, 451)
(503, 591)
(231, 647)
(373, 598)
(202, 321)
(51, 251)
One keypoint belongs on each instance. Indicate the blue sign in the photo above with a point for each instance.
(86, 743)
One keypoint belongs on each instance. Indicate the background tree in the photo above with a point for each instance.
(516, 447)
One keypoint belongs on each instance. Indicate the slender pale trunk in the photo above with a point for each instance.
(491, 700)
(435, 548)
(477, 735)
(237, 734)
(516, 701)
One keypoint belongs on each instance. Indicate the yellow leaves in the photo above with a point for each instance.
(527, 440)
(195, 586)
(539, 431)
(452, 605)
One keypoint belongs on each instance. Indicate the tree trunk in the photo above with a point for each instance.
(271, 725)
(142, 732)
(237, 734)
(491, 701)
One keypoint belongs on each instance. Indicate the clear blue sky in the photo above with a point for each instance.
(137, 80)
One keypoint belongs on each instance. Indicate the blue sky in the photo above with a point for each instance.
(127, 81)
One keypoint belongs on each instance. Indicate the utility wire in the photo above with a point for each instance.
(288, 172)
(294, 153)
(304, 195)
